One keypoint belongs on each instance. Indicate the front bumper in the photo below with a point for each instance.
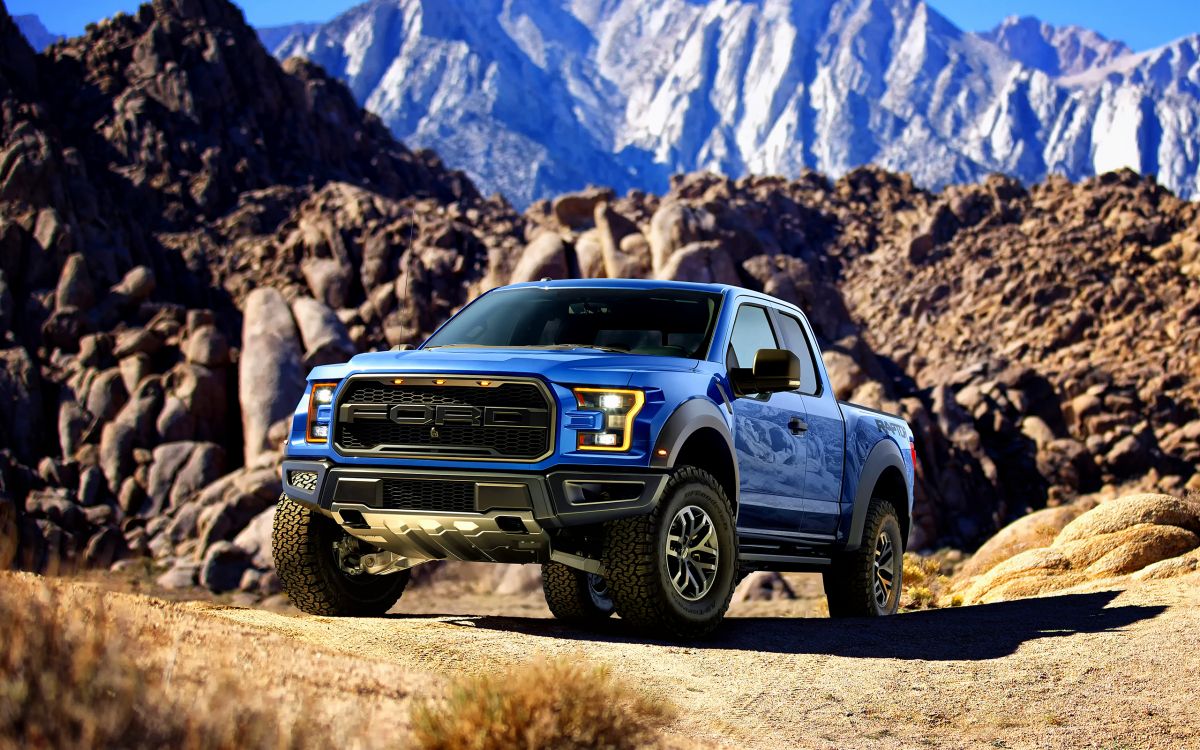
(433, 513)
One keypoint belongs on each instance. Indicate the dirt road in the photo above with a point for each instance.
(1077, 670)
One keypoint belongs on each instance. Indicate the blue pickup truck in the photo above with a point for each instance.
(648, 443)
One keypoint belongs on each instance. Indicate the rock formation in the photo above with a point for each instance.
(187, 225)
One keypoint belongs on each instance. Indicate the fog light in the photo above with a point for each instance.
(320, 431)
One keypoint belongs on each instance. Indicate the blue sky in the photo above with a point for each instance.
(1141, 24)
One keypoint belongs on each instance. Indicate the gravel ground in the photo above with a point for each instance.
(1083, 669)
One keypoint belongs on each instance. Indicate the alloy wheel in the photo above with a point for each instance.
(692, 552)
(886, 569)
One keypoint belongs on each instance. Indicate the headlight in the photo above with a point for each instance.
(619, 407)
(320, 418)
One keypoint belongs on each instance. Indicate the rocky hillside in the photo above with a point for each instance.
(188, 225)
(629, 91)
(153, 175)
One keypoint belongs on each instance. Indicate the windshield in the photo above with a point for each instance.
(662, 322)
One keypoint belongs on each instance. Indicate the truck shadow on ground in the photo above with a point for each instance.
(985, 631)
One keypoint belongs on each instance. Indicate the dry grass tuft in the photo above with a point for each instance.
(926, 582)
(68, 679)
(561, 704)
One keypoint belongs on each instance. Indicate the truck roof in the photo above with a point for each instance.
(726, 290)
(629, 284)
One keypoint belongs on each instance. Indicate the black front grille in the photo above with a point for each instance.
(429, 495)
(525, 395)
(378, 434)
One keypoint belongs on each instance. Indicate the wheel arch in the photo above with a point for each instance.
(882, 477)
(696, 434)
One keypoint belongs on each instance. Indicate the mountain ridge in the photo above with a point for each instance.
(535, 100)
(35, 32)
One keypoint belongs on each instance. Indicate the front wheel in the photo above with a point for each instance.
(318, 566)
(673, 571)
(867, 581)
(575, 596)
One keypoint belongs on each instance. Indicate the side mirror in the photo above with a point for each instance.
(774, 370)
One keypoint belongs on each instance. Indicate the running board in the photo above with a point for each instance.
(783, 563)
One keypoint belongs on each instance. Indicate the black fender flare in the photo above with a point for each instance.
(883, 456)
(690, 416)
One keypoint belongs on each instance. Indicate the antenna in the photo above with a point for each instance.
(412, 226)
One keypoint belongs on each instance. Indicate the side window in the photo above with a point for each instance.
(751, 332)
(796, 340)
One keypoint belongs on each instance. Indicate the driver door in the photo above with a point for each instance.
(772, 459)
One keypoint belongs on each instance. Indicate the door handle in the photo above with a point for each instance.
(798, 426)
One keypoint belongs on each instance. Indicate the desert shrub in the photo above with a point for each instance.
(68, 680)
(567, 705)
(926, 582)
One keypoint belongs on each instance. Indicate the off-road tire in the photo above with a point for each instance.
(302, 542)
(569, 595)
(635, 565)
(850, 580)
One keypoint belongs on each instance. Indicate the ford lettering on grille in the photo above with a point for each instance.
(473, 416)
(506, 420)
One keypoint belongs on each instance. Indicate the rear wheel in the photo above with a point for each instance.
(319, 566)
(574, 595)
(867, 581)
(673, 571)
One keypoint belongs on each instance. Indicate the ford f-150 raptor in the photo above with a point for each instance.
(646, 442)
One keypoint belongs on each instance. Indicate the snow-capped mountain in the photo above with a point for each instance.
(1063, 50)
(534, 97)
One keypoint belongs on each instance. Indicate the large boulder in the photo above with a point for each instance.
(589, 254)
(328, 279)
(325, 338)
(673, 226)
(544, 257)
(1035, 530)
(202, 393)
(117, 440)
(207, 346)
(255, 539)
(577, 210)
(1113, 540)
(137, 285)
(704, 262)
(107, 395)
(223, 567)
(1131, 510)
(75, 288)
(1105, 556)
(270, 374)
(180, 470)
(613, 228)
(762, 585)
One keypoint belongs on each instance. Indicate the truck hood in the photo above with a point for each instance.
(570, 366)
